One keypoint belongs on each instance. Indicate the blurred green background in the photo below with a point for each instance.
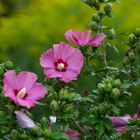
(29, 27)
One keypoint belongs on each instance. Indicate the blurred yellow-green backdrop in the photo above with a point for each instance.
(29, 27)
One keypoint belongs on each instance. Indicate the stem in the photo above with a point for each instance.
(104, 48)
(79, 127)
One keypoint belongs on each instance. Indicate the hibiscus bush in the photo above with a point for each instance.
(54, 109)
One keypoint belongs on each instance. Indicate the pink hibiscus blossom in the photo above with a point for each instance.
(83, 38)
(63, 61)
(23, 120)
(120, 122)
(73, 135)
(22, 88)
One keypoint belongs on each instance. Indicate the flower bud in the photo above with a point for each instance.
(111, 34)
(115, 93)
(117, 83)
(131, 56)
(94, 26)
(23, 137)
(107, 87)
(96, 18)
(137, 32)
(101, 14)
(52, 119)
(135, 73)
(37, 131)
(108, 8)
(125, 61)
(101, 87)
(132, 39)
(23, 120)
(47, 133)
(14, 134)
(54, 105)
(69, 108)
(9, 64)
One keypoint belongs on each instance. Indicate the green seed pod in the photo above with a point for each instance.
(101, 14)
(132, 39)
(111, 34)
(108, 8)
(115, 93)
(69, 108)
(107, 87)
(125, 61)
(96, 18)
(9, 64)
(14, 134)
(137, 32)
(47, 133)
(135, 73)
(37, 131)
(131, 56)
(54, 105)
(117, 83)
(101, 87)
(94, 26)
(23, 137)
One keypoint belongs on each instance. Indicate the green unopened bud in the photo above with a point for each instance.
(107, 87)
(47, 133)
(9, 64)
(101, 14)
(69, 108)
(135, 73)
(137, 32)
(101, 87)
(37, 131)
(131, 56)
(117, 83)
(14, 134)
(96, 18)
(108, 8)
(89, 2)
(63, 95)
(23, 137)
(108, 80)
(132, 39)
(54, 105)
(94, 26)
(115, 93)
(111, 34)
(125, 61)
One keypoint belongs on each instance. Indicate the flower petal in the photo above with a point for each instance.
(47, 59)
(10, 79)
(23, 120)
(37, 92)
(96, 40)
(26, 79)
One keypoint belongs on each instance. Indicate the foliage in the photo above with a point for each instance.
(87, 114)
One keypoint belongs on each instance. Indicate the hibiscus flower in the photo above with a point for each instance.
(22, 88)
(63, 62)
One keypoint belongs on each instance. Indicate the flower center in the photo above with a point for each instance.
(60, 66)
(21, 94)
